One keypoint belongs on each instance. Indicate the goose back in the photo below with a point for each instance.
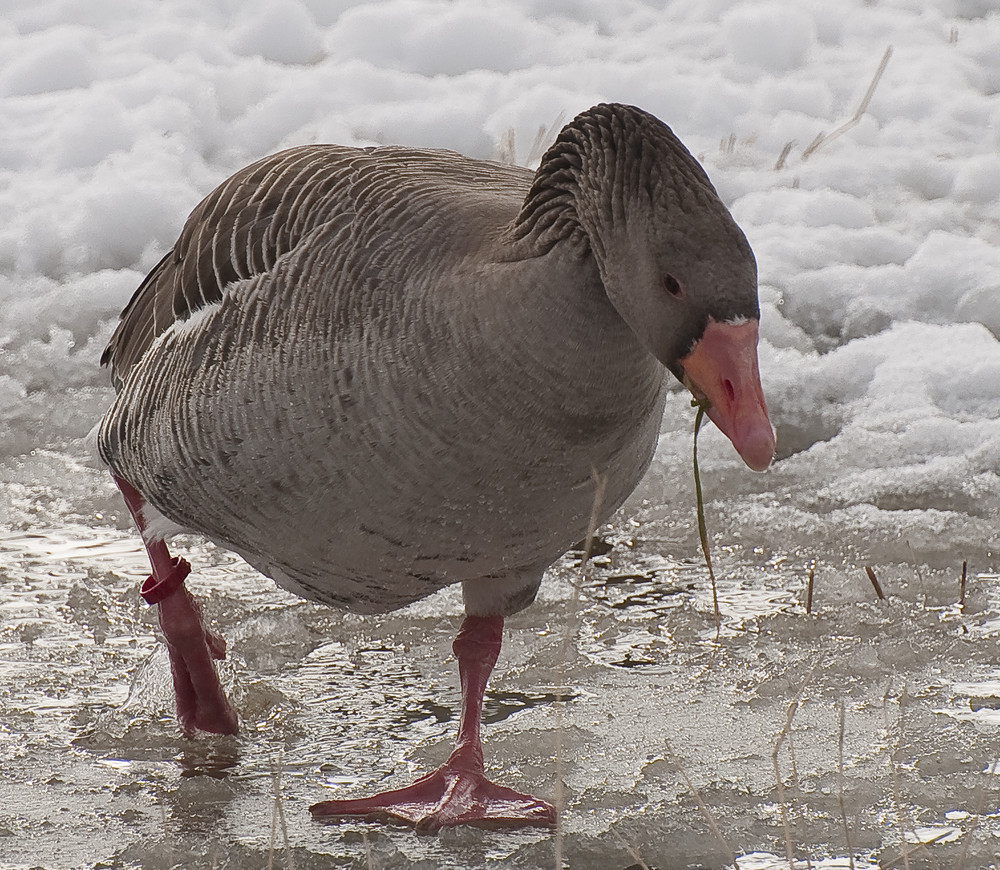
(353, 372)
(266, 210)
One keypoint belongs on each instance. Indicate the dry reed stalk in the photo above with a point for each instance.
(991, 771)
(702, 806)
(824, 138)
(809, 586)
(274, 834)
(894, 772)
(369, 863)
(786, 825)
(874, 581)
(840, 788)
(543, 137)
(572, 626)
(278, 817)
(796, 793)
(702, 527)
(632, 851)
(784, 734)
(505, 150)
(920, 575)
(783, 156)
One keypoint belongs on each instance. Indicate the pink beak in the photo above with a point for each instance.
(722, 368)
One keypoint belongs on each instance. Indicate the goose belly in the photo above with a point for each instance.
(399, 526)
(369, 498)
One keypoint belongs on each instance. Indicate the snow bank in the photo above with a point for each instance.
(879, 251)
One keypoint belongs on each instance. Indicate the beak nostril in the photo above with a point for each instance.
(727, 385)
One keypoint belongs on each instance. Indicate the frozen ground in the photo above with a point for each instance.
(879, 255)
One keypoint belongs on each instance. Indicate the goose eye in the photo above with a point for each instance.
(672, 286)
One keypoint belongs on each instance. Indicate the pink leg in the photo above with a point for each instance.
(458, 792)
(201, 703)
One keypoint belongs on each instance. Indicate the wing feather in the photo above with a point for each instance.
(263, 212)
(240, 230)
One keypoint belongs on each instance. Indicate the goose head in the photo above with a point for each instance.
(674, 263)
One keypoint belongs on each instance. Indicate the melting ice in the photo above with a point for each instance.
(863, 730)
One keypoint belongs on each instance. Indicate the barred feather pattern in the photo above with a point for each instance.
(376, 372)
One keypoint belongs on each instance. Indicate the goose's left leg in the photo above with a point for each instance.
(458, 792)
(201, 703)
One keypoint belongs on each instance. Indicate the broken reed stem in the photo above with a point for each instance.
(702, 806)
(783, 156)
(965, 571)
(897, 803)
(702, 528)
(789, 848)
(796, 793)
(875, 584)
(505, 150)
(823, 138)
(274, 834)
(289, 856)
(840, 788)
(278, 817)
(992, 770)
(632, 851)
(809, 586)
(543, 139)
(559, 798)
(782, 736)
(920, 575)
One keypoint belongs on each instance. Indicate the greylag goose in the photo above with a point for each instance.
(374, 372)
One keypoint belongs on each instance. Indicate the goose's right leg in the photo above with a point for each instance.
(201, 703)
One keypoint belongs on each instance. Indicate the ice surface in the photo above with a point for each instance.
(879, 260)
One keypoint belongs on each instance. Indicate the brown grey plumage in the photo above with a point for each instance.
(375, 372)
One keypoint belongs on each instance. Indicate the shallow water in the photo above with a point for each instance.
(617, 680)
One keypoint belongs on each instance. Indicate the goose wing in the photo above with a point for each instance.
(240, 230)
